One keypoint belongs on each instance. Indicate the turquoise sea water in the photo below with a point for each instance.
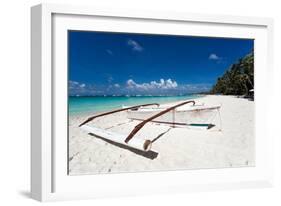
(80, 105)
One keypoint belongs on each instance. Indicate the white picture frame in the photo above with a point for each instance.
(49, 179)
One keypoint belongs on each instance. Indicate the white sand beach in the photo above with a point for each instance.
(173, 148)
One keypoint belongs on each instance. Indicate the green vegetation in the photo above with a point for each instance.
(238, 79)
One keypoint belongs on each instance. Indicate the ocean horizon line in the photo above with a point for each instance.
(139, 95)
(95, 104)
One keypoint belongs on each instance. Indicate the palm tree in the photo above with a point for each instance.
(238, 79)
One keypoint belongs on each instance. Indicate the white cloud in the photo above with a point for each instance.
(74, 84)
(214, 57)
(135, 45)
(131, 83)
(109, 51)
(160, 87)
(162, 84)
(76, 88)
(109, 79)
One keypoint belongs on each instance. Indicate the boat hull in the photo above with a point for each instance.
(193, 116)
(136, 143)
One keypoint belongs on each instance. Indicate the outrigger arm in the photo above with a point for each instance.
(115, 111)
(140, 125)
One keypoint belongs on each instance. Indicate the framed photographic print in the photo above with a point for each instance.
(133, 102)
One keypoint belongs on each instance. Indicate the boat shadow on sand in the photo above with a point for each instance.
(149, 154)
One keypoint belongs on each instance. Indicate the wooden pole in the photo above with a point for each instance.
(140, 125)
(115, 111)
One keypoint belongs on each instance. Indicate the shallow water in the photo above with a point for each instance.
(81, 105)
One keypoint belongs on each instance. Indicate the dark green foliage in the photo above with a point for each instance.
(238, 79)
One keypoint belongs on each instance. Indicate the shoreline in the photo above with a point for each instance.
(196, 96)
(232, 147)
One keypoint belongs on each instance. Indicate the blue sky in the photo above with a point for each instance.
(102, 63)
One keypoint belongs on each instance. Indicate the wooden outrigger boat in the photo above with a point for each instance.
(190, 115)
